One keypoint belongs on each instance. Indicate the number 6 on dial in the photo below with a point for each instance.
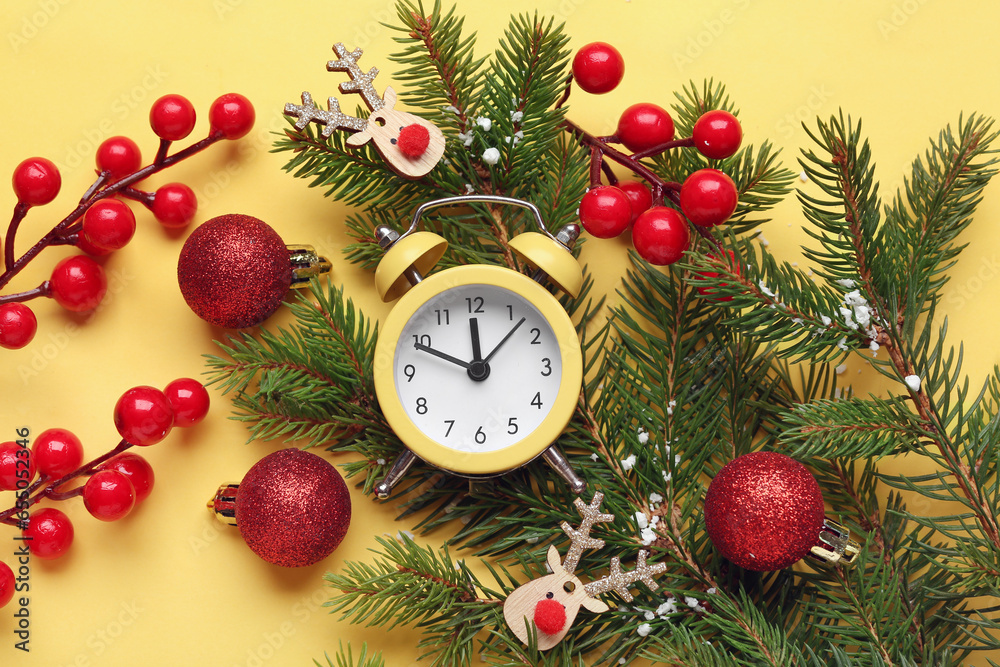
(478, 368)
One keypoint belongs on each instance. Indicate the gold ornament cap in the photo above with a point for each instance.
(223, 503)
(837, 547)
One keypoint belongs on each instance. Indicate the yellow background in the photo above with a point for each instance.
(168, 585)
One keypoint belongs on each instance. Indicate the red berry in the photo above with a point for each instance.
(174, 205)
(708, 292)
(143, 416)
(189, 401)
(108, 224)
(36, 181)
(231, 115)
(86, 246)
(598, 68)
(17, 467)
(643, 126)
(605, 211)
(660, 235)
(138, 471)
(119, 156)
(57, 452)
(639, 196)
(108, 495)
(172, 117)
(17, 325)
(717, 134)
(708, 197)
(49, 533)
(78, 283)
(6, 584)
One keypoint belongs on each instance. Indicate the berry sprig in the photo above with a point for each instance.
(114, 482)
(707, 197)
(100, 223)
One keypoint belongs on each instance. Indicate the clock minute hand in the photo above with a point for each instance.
(442, 355)
(505, 339)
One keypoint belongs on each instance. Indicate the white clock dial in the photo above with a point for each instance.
(477, 368)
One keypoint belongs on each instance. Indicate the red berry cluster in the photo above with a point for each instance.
(660, 233)
(116, 481)
(102, 223)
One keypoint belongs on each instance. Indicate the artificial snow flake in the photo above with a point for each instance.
(381, 462)
(469, 189)
(644, 629)
(641, 520)
(642, 437)
(841, 369)
(648, 536)
(594, 457)
(649, 615)
(797, 320)
(846, 282)
(516, 116)
(803, 176)
(491, 156)
(628, 463)
(825, 320)
(668, 607)
(484, 123)
(451, 109)
(842, 344)
(764, 288)
(655, 498)
(711, 591)
(466, 138)
(694, 603)
(873, 346)
(913, 382)
(531, 540)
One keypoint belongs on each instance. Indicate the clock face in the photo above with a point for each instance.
(484, 377)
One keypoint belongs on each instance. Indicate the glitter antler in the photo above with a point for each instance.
(580, 537)
(548, 605)
(618, 580)
(410, 144)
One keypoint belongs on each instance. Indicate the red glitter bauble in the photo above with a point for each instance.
(234, 271)
(293, 508)
(764, 511)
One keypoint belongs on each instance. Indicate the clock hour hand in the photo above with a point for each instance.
(505, 339)
(442, 355)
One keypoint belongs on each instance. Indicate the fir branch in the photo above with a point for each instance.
(942, 194)
(853, 428)
(345, 658)
(409, 584)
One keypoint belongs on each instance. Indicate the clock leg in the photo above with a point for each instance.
(396, 472)
(558, 461)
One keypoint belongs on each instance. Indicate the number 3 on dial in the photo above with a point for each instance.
(478, 369)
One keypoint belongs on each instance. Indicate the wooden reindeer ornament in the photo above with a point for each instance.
(551, 603)
(410, 144)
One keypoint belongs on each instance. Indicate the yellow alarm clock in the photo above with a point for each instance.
(478, 368)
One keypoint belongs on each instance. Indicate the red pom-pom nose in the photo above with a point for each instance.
(413, 140)
(550, 616)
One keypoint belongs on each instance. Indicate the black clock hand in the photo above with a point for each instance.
(442, 355)
(477, 353)
(505, 338)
